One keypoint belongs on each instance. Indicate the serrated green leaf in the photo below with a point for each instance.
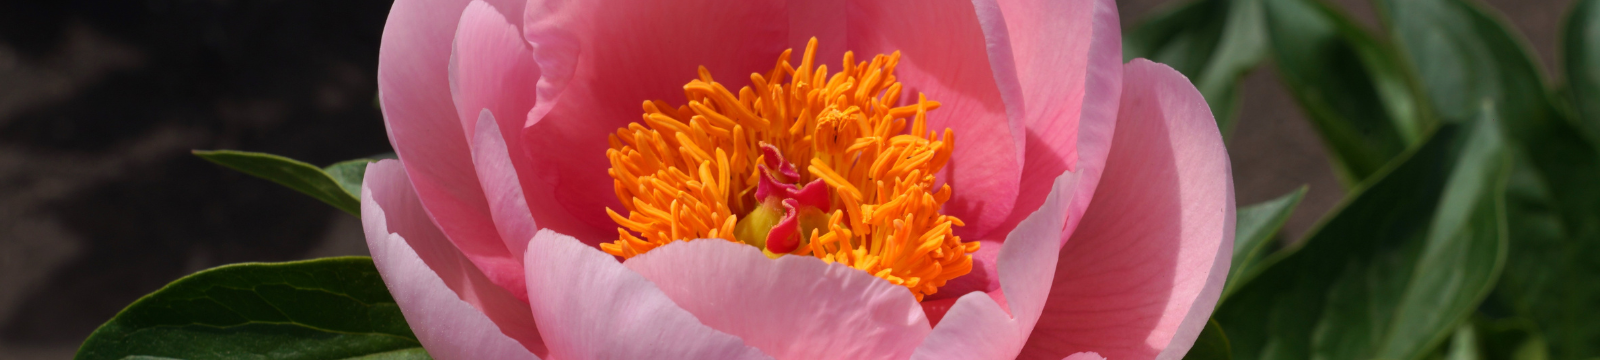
(1213, 42)
(1257, 226)
(329, 308)
(1391, 272)
(1211, 345)
(1353, 88)
(1465, 56)
(297, 175)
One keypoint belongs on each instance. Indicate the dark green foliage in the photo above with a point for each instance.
(1213, 42)
(1257, 228)
(1581, 55)
(1467, 58)
(1393, 271)
(1211, 345)
(331, 308)
(1352, 87)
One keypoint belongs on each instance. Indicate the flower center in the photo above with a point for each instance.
(819, 165)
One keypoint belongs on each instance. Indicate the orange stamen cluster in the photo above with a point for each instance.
(689, 172)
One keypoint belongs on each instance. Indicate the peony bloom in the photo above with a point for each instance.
(808, 179)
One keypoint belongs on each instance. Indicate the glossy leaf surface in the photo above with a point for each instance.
(331, 308)
(1469, 61)
(297, 175)
(1393, 271)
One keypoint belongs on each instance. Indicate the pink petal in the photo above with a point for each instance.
(447, 327)
(491, 67)
(1085, 356)
(1065, 77)
(1064, 61)
(994, 326)
(794, 307)
(1098, 117)
(426, 132)
(1142, 272)
(507, 205)
(825, 20)
(944, 56)
(601, 59)
(591, 307)
(454, 309)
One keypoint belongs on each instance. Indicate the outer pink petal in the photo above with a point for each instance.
(1064, 59)
(794, 307)
(492, 69)
(1142, 272)
(1059, 66)
(426, 132)
(447, 327)
(943, 56)
(979, 327)
(601, 59)
(506, 202)
(455, 310)
(591, 307)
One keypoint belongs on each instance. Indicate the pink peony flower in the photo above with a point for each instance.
(933, 202)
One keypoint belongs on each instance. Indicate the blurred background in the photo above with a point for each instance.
(101, 101)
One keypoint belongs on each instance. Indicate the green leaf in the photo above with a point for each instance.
(1503, 339)
(1256, 227)
(1390, 273)
(406, 354)
(1211, 345)
(1463, 344)
(339, 185)
(1213, 42)
(1353, 88)
(348, 175)
(1510, 338)
(1581, 42)
(1549, 272)
(331, 308)
(1466, 57)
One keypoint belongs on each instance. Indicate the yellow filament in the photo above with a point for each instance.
(689, 172)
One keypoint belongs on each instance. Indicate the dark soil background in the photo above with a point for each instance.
(101, 101)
